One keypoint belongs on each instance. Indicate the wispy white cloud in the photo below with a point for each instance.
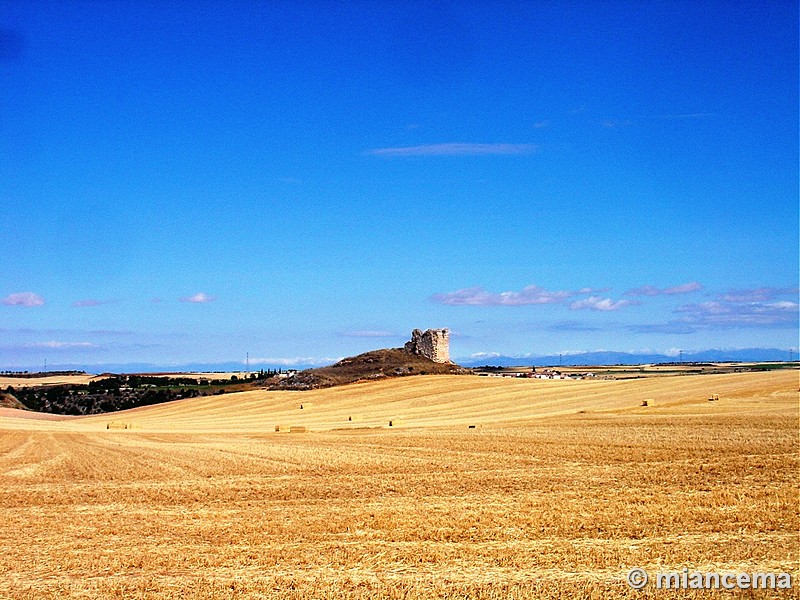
(687, 116)
(199, 298)
(762, 294)
(455, 149)
(369, 334)
(720, 314)
(740, 314)
(615, 123)
(674, 327)
(89, 302)
(483, 355)
(572, 326)
(294, 361)
(56, 345)
(26, 331)
(601, 304)
(527, 296)
(27, 299)
(477, 296)
(758, 307)
(686, 288)
(748, 308)
(650, 290)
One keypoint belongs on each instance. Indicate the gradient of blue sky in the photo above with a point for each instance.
(191, 181)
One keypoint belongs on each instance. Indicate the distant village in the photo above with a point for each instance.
(530, 373)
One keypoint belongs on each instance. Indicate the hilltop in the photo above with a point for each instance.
(377, 364)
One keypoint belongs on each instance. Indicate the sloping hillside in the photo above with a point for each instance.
(9, 401)
(447, 400)
(370, 366)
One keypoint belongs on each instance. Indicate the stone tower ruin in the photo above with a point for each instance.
(432, 343)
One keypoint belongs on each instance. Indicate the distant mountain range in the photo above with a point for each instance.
(627, 358)
(584, 358)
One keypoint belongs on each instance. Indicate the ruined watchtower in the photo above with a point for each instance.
(432, 343)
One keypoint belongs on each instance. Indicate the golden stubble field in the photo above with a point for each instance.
(557, 492)
(80, 379)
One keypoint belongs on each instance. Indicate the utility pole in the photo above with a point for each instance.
(247, 374)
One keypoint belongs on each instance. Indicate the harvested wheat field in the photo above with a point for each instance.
(59, 379)
(482, 488)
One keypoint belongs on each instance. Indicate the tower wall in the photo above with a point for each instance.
(431, 343)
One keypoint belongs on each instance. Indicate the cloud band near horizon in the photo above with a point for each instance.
(477, 296)
(756, 308)
(530, 295)
(650, 290)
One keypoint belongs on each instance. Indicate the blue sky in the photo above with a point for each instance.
(300, 181)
